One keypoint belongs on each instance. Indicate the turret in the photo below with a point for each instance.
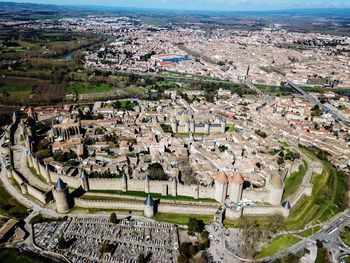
(61, 196)
(192, 126)
(27, 142)
(10, 172)
(207, 127)
(174, 126)
(220, 187)
(124, 183)
(147, 190)
(30, 158)
(149, 207)
(223, 125)
(275, 186)
(286, 208)
(174, 186)
(46, 173)
(14, 117)
(235, 187)
(84, 180)
(24, 188)
(36, 165)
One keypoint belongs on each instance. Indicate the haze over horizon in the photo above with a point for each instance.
(227, 5)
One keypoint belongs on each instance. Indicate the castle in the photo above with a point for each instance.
(186, 122)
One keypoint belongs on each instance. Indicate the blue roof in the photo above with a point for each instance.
(175, 179)
(60, 185)
(286, 205)
(124, 176)
(146, 178)
(149, 201)
(83, 174)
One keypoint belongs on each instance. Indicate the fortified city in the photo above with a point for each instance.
(174, 136)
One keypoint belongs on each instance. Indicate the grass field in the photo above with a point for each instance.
(34, 173)
(82, 88)
(10, 206)
(345, 236)
(309, 232)
(154, 195)
(325, 202)
(230, 128)
(277, 245)
(11, 255)
(181, 219)
(259, 222)
(293, 181)
(321, 256)
(16, 90)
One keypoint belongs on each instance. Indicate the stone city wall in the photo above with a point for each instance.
(17, 178)
(139, 206)
(160, 187)
(259, 195)
(264, 210)
(32, 191)
(106, 204)
(186, 209)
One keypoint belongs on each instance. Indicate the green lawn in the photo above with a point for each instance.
(309, 232)
(154, 195)
(326, 201)
(34, 173)
(135, 90)
(322, 256)
(259, 222)
(82, 88)
(9, 206)
(345, 235)
(277, 245)
(230, 128)
(181, 219)
(293, 181)
(11, 255)
(17, 90)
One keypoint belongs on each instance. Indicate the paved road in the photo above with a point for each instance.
(329, 234)
(315, 101)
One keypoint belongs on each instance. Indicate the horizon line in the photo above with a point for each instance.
(86, 6)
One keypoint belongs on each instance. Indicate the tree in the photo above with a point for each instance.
(195, 225)
(182, 258)
(184, 249)
(62, 243)
(113, 218)
(156, 172)
(141, 259)
(204, 235)
(104, 248)
(193, 250)
(222, 148)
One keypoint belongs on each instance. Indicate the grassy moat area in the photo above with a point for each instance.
(154, 195)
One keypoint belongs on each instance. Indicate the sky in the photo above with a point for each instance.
(229, 5)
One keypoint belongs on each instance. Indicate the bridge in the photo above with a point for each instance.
(327, 108)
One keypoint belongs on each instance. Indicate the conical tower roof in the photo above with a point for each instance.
(83, 174)
(149, 201)
(236, 178)
(60, 185)
(286, 205)
(221, 177)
